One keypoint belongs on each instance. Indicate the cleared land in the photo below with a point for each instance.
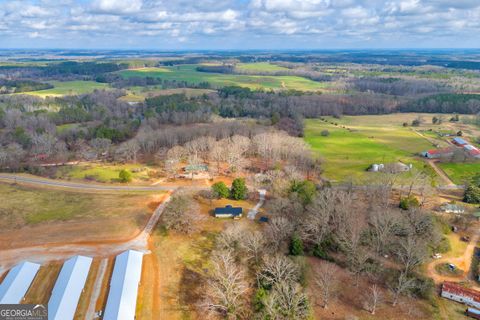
(31, 216)
(63, 88)
(356, 142)
(189, 74)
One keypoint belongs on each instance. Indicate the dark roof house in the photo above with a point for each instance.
(228, 211)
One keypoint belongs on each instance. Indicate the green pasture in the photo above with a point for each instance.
(189, 74)
(460, 172)
(63, 88)
(259, 66)
(348, 153)
(104, 173)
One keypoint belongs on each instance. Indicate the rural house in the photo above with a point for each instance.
(228, 212)
(455, 292)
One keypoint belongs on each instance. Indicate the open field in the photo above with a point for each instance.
(62, 88)
(100, 172)
(259, 66)
(371, 139)
(460, 172)
(189, 74)
(39, 216)
(138, 94)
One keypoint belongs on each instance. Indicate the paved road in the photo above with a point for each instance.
(78, 185)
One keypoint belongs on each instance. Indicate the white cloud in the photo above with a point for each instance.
(117, 6)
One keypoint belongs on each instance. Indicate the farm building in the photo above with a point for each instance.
(228, 212)
(68, 288)
(472, 312)
(452, 208)
(16, 283)
(438, 153)
(122, 297)
(472, 151)
(459, 141)
(455, 292)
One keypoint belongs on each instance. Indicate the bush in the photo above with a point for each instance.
(472, 194)
(125, 176)
(409, 202)
(259, 298)
(220, 190)
(443, 246)
(325, 133)
(296, 246)
(305, 190)
(239, 189)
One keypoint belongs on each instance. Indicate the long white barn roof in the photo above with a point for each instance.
(122, 298)
(68, 288)
(16, 283)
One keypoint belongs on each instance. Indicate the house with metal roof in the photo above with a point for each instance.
(68, 288)
(16, 283)
(438, 153)
(122, 297)
(228, 212)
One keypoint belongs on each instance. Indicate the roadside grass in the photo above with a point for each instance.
(189, 74)
(103, 173)
(21, 206)
(62, 88)
(349, 153)
(460, 172)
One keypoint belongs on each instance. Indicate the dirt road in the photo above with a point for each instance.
(463, 262)
(441, 173)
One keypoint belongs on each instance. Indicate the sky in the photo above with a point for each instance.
(239, 24)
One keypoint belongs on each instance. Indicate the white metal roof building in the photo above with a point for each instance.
(122, 297)
(16, 283)
(68, 288)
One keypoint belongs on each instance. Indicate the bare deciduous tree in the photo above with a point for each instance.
(225, 292)
(402, 284)
(327, 282)
(277, 269)
(287, 301)
(373, 298)
(180, 215)
(254, 243)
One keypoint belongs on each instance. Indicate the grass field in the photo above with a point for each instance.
(62, 88)
(101, 172)
(259, 66)
(24, 205)
(356, 142)
(138, 94)
(461, 172)
(189, 74)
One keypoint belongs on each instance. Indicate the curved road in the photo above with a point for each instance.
(78, 185)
